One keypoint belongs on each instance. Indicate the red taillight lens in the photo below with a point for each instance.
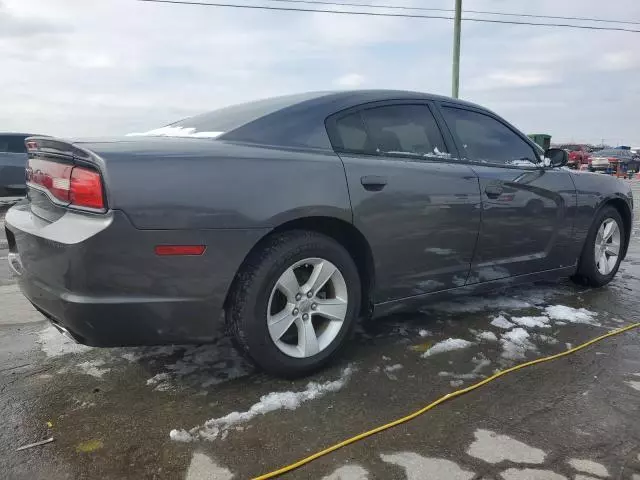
(76, 186)
(86, 188)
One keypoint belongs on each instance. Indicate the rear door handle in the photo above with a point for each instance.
(373, 183)
(493, 190)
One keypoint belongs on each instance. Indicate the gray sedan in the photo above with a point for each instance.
(295, 216)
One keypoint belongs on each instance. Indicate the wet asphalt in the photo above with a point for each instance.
(110, 411)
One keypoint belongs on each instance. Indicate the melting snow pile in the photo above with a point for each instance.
(219, 427)
(532, 322)
(515, 344)
(54, 344)
(572, 315)
(447, 345)
(480, 362)
(393, 368)
(487, 336)
(501, 322)
(92, 368)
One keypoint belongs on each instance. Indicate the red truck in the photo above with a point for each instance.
(578, 155)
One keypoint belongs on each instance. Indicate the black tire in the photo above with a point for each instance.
(246, 314)
(587, 273)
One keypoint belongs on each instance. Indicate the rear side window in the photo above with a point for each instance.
(351, 135)
(12, 144)
(404, 129)
(484, 139)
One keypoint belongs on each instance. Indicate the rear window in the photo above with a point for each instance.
(218, 122)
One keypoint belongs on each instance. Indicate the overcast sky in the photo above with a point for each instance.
(104, 67)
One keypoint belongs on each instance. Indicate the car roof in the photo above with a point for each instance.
(19, 134)
(358, 97)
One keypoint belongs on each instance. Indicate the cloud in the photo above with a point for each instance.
(512, 79)
(351, 80)
(619, 61)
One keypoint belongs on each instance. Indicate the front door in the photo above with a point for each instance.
(417, 207)
(527, 210)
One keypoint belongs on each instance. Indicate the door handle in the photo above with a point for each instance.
(493, 190)
(373, 183)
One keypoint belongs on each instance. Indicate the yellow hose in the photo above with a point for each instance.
(442, 399)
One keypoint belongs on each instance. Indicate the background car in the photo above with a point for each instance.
(13, 160)
(611, 159)
(297, 215)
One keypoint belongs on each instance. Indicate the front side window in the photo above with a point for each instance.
(405, 130)
(484, 139)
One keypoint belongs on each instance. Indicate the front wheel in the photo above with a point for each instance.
(603, 249)
(294, 303)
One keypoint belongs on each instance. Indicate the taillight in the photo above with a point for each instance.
(70, 185)
(86, 188)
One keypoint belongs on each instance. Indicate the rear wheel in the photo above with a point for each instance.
(602, 252)
(295, 303)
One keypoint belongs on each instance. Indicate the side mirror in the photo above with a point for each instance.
(557, 157)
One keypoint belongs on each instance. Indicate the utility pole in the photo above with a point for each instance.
(455, 80)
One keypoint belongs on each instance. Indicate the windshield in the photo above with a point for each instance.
(217, 122)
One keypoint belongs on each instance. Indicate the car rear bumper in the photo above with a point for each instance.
(97, 277)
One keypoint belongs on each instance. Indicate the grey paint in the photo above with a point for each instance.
(432, 229)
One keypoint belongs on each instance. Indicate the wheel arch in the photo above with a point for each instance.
(345, 233)
(627, 217)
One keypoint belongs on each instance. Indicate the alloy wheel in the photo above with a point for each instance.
(307, 307)
(607, 246)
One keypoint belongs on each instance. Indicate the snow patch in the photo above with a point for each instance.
(571, 315)
(425, 333)
(160, 381)
(54, 344)
(589, 466)
(634, 384)
(393, 368)
(530, 473)
(532, 322)
(203, 468)
(92, 368)
(176, 131)
(417, 467)
(456, 383)
(131, 357)
(548, 339)
(271, 402)
(447, 345)
(495, 448)
(515, 343)
(487, 336)
(348, 472)
(501, 322)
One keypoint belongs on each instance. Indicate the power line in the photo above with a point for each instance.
(396, 15)
(431, 9)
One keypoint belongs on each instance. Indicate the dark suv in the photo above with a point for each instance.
(13, 160)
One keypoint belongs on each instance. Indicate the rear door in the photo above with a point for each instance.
(527, 210)
(418, 208)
